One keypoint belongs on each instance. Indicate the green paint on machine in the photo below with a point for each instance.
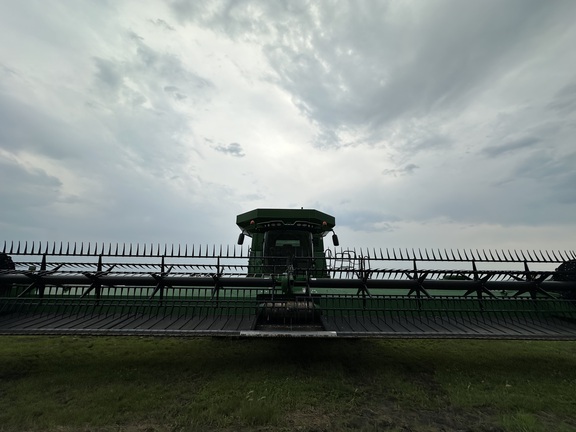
(288, 283)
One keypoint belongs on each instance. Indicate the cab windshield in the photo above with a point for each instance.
(288, 243)
(286, 247)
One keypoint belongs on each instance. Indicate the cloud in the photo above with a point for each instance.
(139, 75)
(27, 127)
(565, 100)
(28, 195)
(520, 144)
(406, 170)
(556, 173)
(361, 66)
(162, 24)
(393, 116)
(232, 149)
(108, 74)
(175, 92)
(367, 221)
(26, 187)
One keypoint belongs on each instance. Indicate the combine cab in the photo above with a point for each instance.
(286, 241)
(286, 284)
(287, 245)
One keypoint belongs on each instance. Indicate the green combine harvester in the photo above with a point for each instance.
(288, 283)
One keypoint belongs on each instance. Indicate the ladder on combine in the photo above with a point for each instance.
(189, 291)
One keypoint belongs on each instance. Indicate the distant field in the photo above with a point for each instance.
(144, 384)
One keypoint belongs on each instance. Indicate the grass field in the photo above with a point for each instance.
(144, 384)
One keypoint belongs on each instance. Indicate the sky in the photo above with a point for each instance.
(417, 124)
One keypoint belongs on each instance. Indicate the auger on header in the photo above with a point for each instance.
(288, 283)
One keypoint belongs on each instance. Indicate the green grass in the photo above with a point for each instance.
(145, 384)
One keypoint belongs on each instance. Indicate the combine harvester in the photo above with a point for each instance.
(286, 284)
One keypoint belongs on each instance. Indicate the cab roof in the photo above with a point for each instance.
(263, 219)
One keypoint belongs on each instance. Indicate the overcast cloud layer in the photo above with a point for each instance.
(416, 124)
